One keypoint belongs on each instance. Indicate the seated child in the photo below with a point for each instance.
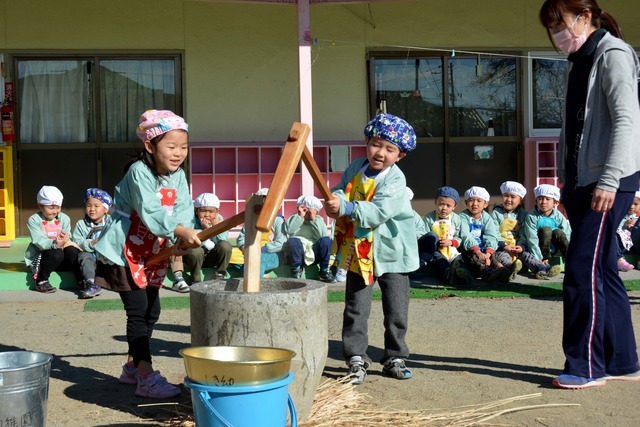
(308, 242)
(547, 231)
(214, 252)
(480, 238)
(512, 251)
(439, 246)
(272, 244)
(625, 231)
(51, 248)
(86, 233)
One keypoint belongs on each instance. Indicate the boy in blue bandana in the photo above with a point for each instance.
(86, 233)
(375, 239)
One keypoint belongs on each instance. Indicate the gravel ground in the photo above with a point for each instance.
(464, 352)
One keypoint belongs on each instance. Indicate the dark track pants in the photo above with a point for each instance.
(598, 336)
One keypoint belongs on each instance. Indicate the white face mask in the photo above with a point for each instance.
(568, 42)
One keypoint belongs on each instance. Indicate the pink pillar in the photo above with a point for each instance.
(304, 75)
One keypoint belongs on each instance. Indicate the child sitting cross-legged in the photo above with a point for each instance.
(308, 242)
(86, 233)
(510, 217)
(546, 229)
(480, 238)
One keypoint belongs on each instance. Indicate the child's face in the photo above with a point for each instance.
(382, 154)
(476, 205)
(444, 206)
(206, 214)
(545, 204)
(510, 201)
(170, 151)
(635, 206)
(50, 212)
(95, 209)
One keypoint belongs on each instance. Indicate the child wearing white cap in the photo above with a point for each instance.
(308, 242)
(626, 232)
(480, 238)
(214, 252)
(510, 217)
(51, 248)
(546, 229)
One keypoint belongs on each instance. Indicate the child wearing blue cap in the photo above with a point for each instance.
(375, 239)
(86, 233)
(439, 246)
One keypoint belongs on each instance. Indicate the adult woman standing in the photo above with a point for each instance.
(599, 160)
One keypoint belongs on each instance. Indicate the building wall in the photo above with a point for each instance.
(241, 70)
(241, 58)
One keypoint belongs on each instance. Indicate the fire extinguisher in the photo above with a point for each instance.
(8, 133)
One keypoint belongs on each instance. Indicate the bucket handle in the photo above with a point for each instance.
(204, 397)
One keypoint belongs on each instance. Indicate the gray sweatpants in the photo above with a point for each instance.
(87, 261)
(528, 260)
(395, 307)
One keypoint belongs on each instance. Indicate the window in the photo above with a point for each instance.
(547, 92)
(412, 89)
(471, 96)
(60, 101)
(482, 96)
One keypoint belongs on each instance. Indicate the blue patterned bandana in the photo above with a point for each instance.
(98, 194)
(392, 129)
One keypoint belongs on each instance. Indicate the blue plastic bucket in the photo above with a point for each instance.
(263, 405)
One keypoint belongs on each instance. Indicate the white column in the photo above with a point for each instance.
(304, 75)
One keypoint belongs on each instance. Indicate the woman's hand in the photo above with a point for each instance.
(602, 200)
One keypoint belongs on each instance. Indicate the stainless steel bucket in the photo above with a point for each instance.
(24, 387)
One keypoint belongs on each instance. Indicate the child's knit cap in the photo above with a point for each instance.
(479, 192)
(547, 190)
(49, 196)
(207, 200)
(98, 194)
(448, 192)
(392, 129)
(309, 201)
(157, 122)
(638, 194)
(513, 187)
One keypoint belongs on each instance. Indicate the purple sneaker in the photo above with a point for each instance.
(155, 386)
(129, 375)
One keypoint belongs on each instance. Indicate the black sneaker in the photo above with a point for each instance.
(395, 368)
(297, 272)
(357, 370)
(325, 275)
(45, 287)
(93, 291)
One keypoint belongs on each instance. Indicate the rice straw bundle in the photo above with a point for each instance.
(338, 403)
